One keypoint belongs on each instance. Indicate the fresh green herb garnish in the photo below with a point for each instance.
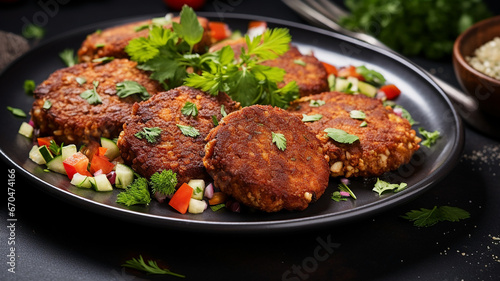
(151, 267)
(340, 135)
(337, 197)
(363, 124)
(215, 121)
(428, 217)
(81, 80)
(150, 134)
(316, 103)
(29, 86)
(163, 182)
(32, 31)
(92, 96)
(383, 186)
(413, 28)
(430, 137)
(55, 148)
(100, 45)
(217, 207)
(128, 88)
(16, 111)
(345, 188)
(371, 76)
(137, 193)
(300, 62)
(190, 109)
(47, 105)
(311, 118)
(223, 111)
(189, 131)
(357, 114)
(103, 59)
(68, 57)
(279, 140)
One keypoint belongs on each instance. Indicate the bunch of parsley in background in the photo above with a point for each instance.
(415, 27)
(168, 54)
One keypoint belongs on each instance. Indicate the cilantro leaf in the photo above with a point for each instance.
(151, 267)
(428, 217)
(357, 114)
(383, 186)
(92, 96)
(136, 194)
(430, 137)
(164, 182)
(189, 109)
(311, 118)
(316, 103)
(29, 87)
(47, 104)
(341, 136)
(188, 131)
(151, 134)
(128, 88)
(279, 140)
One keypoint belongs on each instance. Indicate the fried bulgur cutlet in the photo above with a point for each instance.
(306, 70)
(60, 111)
(172, 150)
(385, 143)
(245, 163)
(111, 42)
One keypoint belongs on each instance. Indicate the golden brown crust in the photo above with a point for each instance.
(71, 119)
(245, 163)
(173, 151)
(384, 144)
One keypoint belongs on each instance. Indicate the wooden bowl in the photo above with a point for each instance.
(483, 88)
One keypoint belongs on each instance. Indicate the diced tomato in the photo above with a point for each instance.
(330, 69)
(101, 162)
(44, 141)
(76, 163)
(219, 30)
(391, 91)
(180, 199)
(101, 151)
(350, 71)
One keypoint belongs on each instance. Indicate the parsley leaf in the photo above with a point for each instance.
(316, 103)
(151, 267)
(311, 118)
(430, 137)
(383, 186)
(92, 96)
(47, 105)
(341, 136)
(188, 131)
(16, 111)
(32, 31)
(29, 87)
(163, 182)
(151, 134)
(357, 114)
(279, 140)
(137, 193)
(428, 217)
(189, 28)
(128, 88)
(337, 197)
(68, 57)
(190, 109)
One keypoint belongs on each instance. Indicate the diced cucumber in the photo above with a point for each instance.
(112, 150)
(331, 82)
(68, 150)
(36, 156)
(82, 181)
(26, 130)
(198, 188)
(102, 183)
(354, 84)
(341, 84)
(124, 176)
(46, 154)
(367, 89)
(56, 165)
(197, 206)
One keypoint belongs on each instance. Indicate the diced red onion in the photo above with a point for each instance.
(32, 124)
(345, 181)
(160, 197)
(209, 191)
(233, 206)
(398, 111)
(345, 194)
(111, 177)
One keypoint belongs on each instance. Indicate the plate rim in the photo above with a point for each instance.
(320, 220)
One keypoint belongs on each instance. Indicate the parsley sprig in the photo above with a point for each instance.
(151, 267)
(137, 193)
(428, 217)
(150, 134)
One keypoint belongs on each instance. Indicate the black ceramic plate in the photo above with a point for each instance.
(420, 96)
